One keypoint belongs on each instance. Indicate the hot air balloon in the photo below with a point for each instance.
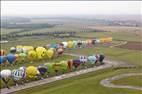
(53, 45)
(60, 51)
(11, 58)
(64, 66)
(23, 57)
(65, 44)
(74, 44)
(13, 50)
(42, 69)
(101, 58)
(49, 67)
(2, 52)
(83, 59)
(92, 59)
(19, 49)
(57, 67)
(2, 59)
(70, 64)
(18, 74)
(76, 63)
(50, 53)
(41, 52)
(32, 55)
(61, 45)
(5, 75)
(70, 44)
(32, 72)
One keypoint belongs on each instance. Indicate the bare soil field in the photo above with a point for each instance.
(132, 45)
(135, 30)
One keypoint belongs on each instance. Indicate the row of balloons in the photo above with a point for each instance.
(22, 53)
(45, 69)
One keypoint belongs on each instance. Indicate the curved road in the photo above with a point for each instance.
(107, 82)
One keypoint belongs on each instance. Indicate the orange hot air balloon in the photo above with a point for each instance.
(2, 52)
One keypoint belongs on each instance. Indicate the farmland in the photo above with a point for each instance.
(88, 83)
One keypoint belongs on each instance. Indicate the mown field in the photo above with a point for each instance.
(129, 81)
(88, 83)
(84, 84)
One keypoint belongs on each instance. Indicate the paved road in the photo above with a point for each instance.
(52, 79)
(107, 82)
(108, 63)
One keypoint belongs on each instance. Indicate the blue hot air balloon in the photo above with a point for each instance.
(92, 59)
(2, 59)
(11, 58)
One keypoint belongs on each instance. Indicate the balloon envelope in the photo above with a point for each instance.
(32, 71)
(50, 53)
(41, 52)
(92, 59)
(32, 55)
(2, 59)
(70, 44)
(11, 58)
(5, 73)
(2, 52)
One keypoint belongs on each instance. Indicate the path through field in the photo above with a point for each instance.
(107, 82)
(108, 63)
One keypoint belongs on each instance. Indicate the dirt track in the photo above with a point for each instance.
(132, 46)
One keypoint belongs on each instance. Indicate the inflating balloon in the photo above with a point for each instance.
(11, 58)
(49, 67)
(22, 56)
(64, 65)
(60, 51)
(2, 52)
(5, 75)
(2, 59)
(41, 52)
(32, 55)
(65, 44)
(32, 72)
(50, 53)
(42, 69)
(17, 74)
(70, 44)
(76, 63)
(19, 49)
(54, 45)
(70, 64)
(12, 50)
(92, 59)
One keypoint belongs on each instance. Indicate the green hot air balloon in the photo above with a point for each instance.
(49, 67)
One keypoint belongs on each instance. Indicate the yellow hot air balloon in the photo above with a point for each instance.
(41, 52)
(28, 47)
(31, 71)
(50, 53)
(70, 44)
(32, 55)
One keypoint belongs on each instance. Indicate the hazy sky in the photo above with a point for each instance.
(70, 7)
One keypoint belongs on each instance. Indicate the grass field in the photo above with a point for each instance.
(88, 83)
(125, 36)
(132, 81)
(84, 84)
(129, 56)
